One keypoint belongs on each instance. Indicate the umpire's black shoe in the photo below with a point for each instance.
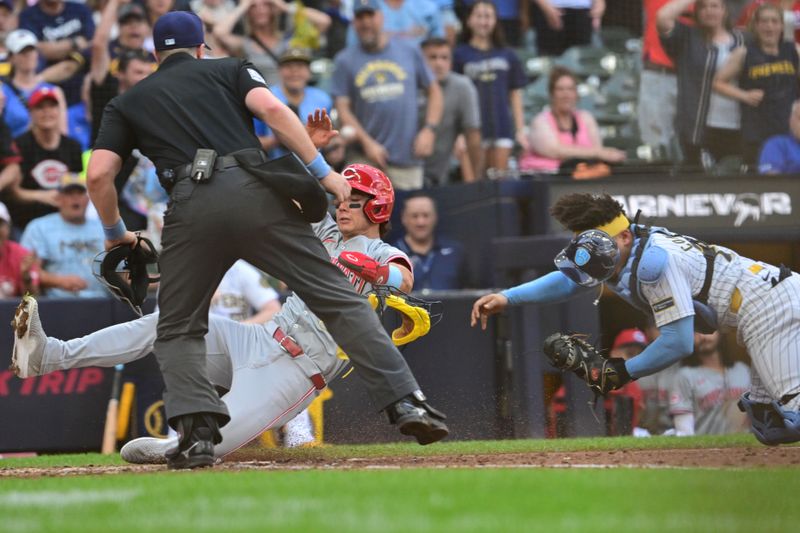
(413, 416)
(198, 434)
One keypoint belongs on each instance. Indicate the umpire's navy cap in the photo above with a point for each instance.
(178, 29)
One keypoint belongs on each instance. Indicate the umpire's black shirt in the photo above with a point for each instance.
(187, 104)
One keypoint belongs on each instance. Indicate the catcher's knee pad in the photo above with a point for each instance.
(771, 424)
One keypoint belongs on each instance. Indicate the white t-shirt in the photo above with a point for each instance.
(723, 112)
(572, 4)
(242, 290)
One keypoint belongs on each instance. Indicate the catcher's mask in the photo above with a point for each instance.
(422, 313)
(589, 259)
(374, 183)
(127, 271)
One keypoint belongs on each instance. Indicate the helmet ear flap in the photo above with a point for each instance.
(374, 183)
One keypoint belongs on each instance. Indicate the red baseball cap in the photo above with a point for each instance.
(41, 94)
(630, 336)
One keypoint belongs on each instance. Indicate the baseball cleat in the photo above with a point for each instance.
(198, 453)
(414, 417)
(298, 431)
(29, 339)
(148, 450)
(198, 434)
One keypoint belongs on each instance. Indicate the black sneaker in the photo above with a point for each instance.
(413, 416)
(198, 434)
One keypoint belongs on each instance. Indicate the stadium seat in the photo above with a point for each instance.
(587, 61)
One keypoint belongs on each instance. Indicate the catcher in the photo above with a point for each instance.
(271, 372)
(686, 285)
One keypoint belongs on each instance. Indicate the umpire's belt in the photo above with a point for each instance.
(221, 163)
(291, 347)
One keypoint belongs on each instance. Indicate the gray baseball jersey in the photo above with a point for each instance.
(295, 310)
(711, 396)
(656, 388)
(745, 295)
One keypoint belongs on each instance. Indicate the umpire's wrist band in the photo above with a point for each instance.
(115, 232)
(318, 167)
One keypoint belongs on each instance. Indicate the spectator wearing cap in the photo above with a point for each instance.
(375, 85)
(264, 40)
(120, 64)
(19, 270)
(623, 407)
(25, 76)
(64, 30)
(135, 32)
(66, 243)
(46, 155)
(293, 90)
(116, 67)
(438, 262)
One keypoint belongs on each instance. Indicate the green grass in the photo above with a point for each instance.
(445, 448)
(411, 500)
(408, 500)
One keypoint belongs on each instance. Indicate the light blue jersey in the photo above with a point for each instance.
(312, 99)
(66, 248)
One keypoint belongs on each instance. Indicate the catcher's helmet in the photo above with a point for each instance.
(589, 259)
(127, 271)
(373, 182)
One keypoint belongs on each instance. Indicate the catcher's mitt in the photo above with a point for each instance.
(571, 352)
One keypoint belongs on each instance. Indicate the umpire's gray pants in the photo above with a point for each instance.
(209, 226)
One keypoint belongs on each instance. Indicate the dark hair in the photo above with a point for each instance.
(556, 74)
(434, 41)
(128, 56)
(726, 21)
(418, 194)
(581, 211)
(385, 228)
(498, 38)
(725, 358)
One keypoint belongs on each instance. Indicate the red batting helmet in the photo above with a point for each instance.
(374, 183)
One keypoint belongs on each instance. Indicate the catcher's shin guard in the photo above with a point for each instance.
(770, 423)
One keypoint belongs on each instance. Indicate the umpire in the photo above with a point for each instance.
(188, 118)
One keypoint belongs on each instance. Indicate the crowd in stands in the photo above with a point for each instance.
(433, 92)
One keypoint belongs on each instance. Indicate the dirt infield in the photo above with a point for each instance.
(746, 457)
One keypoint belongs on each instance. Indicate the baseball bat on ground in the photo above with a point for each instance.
(110, 429)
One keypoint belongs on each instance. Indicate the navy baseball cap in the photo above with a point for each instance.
(360, 6)
(178, 29)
